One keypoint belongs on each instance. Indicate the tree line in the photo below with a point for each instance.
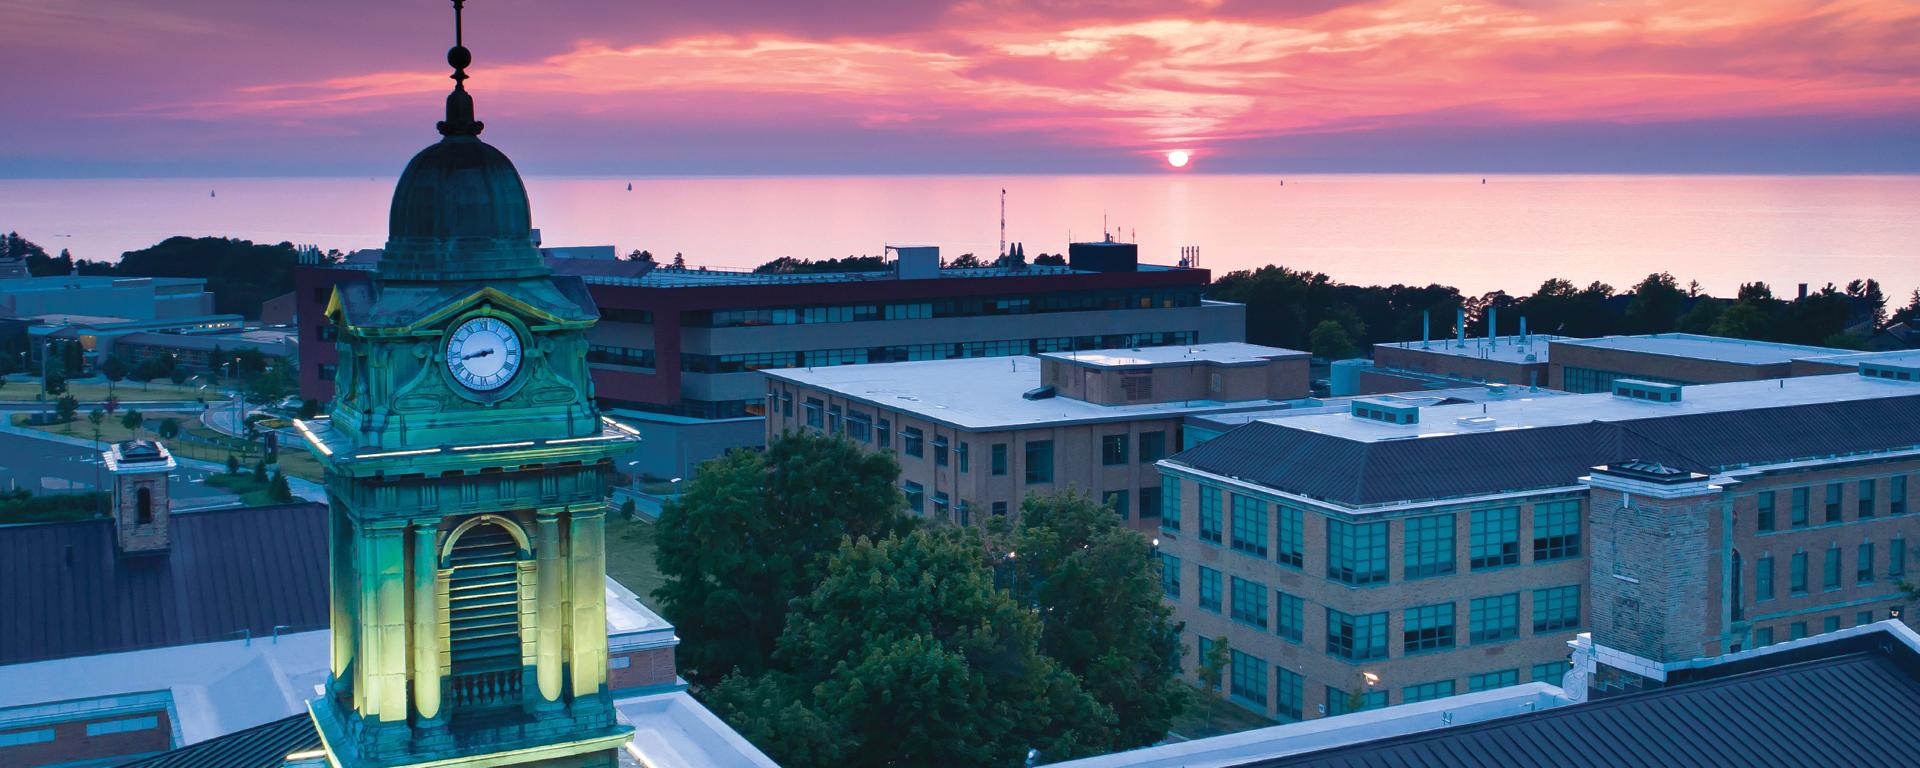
(1301, 309)
(241, 274)
(832, 629)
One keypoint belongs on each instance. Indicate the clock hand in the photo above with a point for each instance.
(481, 353)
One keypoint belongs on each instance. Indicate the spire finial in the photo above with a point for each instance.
(459, 120)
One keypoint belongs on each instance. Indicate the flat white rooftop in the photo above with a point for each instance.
(1697, 347)
(1526, 410)
(1219, 353)
(982, 393)
(1419, 399)
(1505, 349)
(1893, 357)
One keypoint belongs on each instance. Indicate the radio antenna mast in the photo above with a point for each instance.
(1003, 222)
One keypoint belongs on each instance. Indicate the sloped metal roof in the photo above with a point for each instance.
(262, 746)
(1853, 707)
(1365, 473)
(65, 591)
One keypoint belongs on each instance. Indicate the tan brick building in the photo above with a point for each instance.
(975, 436)
(1395, 554)
(1591, 365)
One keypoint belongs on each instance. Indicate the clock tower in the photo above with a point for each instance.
(467, 469)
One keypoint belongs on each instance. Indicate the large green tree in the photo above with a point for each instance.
(1095, 586)
(752, 533)
(906, 654)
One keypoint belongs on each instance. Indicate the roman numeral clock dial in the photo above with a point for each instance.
(483, 354)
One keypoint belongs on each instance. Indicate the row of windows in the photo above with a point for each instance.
(1766, 635)
(1357, 553)
(628, 356)
(1364, 637)
(1766, 517)
(1249, 683)
(1832, 568)
(701, 363)
(1589, 380)
(1077, 301)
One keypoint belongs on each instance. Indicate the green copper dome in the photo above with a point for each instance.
(460, 212)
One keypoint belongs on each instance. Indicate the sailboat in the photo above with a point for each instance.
(629, 186)
(211, 194)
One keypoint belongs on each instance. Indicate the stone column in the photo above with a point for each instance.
(550, 631)
(384, 650)
(587, 542)
(427, 626)
(340, 598)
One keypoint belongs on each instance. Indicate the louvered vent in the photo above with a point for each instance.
(484, 614)
(1137, 387)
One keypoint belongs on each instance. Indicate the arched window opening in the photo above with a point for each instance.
(1739, 595)
(484, 617)
(143, 506)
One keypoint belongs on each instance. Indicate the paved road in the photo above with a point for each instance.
(45, 466)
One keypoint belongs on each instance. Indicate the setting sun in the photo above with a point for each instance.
(1178, 158)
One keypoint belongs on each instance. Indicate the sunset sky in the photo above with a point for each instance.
(620, 87)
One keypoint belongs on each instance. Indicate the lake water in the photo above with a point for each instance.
(1509, 233)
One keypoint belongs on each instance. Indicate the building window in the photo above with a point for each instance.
(786, 404)
(1428, 628)
(1357, 552)
(1797, 574)
(1113, 450)
(1550, 672)
(941, 503)
(859, 426)
(1170, 575)
(1039, 461)
(913, 441)
(1763, 516)
(1556, 608)
(1763, 579)
(1169, 503)
(965, 463)
(1494, 538)
(1291, 693)
(19, 738)
(813, 412)
(1209, 589)
(963, 512)
(1863, 566)
(1897, 557)
(833, 419)
(1556, 530)
(999, 509)
(1834, 492)
(1293, 537)
(1293, 617)
(1426, 691)
(1429, 546)
(125, 725)
(1153, 446)
(1897, 495)
(1249, 525)
(1356, 638)
(1830, 624)
(1117, 500)
(1862, 618)
(997, 459)
(1796, 630)
(1341, 702)
(143, 505)
(1495, 618)
(1799, 510)
(883, 433)
(1210, 514)
(1762, 637)
(916, 496)
(1865, 503)
(1249, 682)
(1150, 501)
(940, 451)
(1492, 680)
(1249, 602)
(1830, 569)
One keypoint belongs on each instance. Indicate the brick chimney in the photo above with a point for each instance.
(142, 509)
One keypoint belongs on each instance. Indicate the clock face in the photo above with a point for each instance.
(483, 354)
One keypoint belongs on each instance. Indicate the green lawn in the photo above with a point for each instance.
(1211, 715)
(630, 556)
(17, 390)
(252, 493)
(295, 459)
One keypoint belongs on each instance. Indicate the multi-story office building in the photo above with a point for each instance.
(974, 436)
(677, 352)
(1591, 365)
(1399, 553)
(1447, 363)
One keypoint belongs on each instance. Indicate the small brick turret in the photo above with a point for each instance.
(141, 505)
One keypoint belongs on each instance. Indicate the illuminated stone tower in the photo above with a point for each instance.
(467, 470)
